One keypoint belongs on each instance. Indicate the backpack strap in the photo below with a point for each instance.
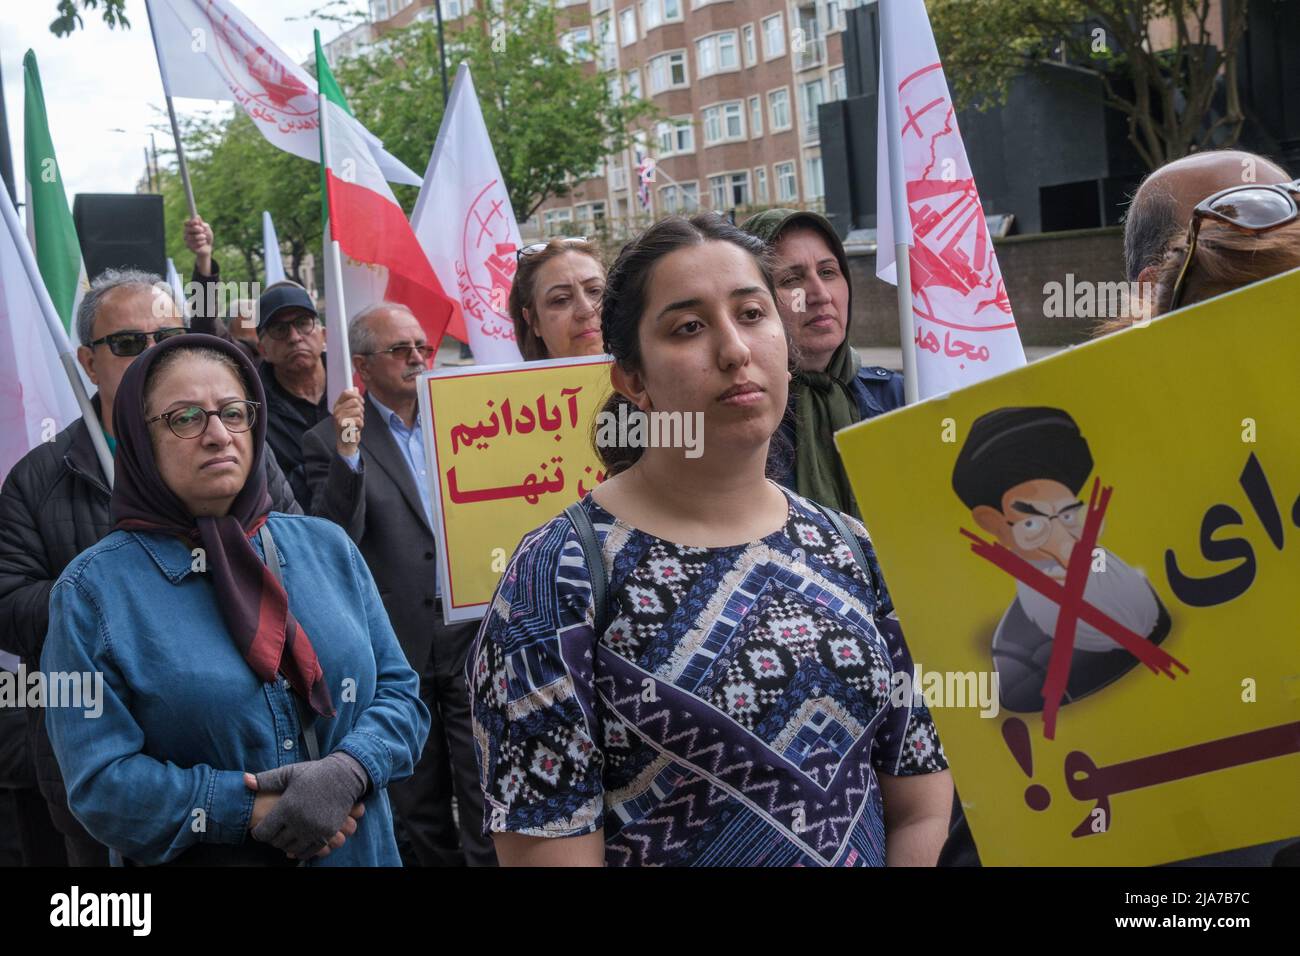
(842, 529)
(591, 553)
(305, 716)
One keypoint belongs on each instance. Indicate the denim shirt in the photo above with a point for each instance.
(183, 715)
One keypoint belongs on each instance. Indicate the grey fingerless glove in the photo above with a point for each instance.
(318, 795)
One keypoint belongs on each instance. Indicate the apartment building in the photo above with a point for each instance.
(738, 83)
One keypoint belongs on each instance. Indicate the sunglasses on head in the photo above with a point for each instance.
(1252, 209)
(536, 247)
(126, 344)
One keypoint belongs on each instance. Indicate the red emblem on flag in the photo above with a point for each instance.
(252, 71)
(952, 250)
(486, 268)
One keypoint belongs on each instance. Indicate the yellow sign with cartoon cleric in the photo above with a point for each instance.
(510, 447)
(1109, 537)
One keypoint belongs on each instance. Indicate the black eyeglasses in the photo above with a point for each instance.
(536, 247)
(126, 344)
(1253, 209)
(305, 324)
(426, 352)
(192, 420)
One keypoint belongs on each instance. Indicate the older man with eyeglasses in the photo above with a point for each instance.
(291, 340)
(55, 504)
(368, 473)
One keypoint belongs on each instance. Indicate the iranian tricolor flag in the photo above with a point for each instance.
(383, 260)
(50, 230)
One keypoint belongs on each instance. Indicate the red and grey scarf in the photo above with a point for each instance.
(253, 605)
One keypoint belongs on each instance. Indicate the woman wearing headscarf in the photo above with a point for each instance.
(244, 699)
(831, 388)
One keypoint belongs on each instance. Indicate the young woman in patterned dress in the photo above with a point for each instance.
(737, 708)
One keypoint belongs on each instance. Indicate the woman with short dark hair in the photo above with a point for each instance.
(728, 701)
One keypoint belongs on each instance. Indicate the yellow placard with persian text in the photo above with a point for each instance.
(1115, 528)
(510, 446)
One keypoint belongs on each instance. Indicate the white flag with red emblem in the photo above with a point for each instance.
(208, 49)
(467, 227)
(964, 329)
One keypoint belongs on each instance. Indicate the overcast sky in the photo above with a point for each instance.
(99, 80)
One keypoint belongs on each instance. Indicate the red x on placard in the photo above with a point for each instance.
(1073, 607)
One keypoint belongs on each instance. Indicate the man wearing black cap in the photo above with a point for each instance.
(292, 343)
(1020, 473)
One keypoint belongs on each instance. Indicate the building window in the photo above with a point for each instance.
(652, 14)
(811, 95)
(597, 6)
(787, 190)
(810, 51)
(676, 136)
(577, 43)
(615, 87)
(760, 184)
(755, 116)
(778, 104)
(750, 44)
(627, 25)
(556, 221)
(672, 10)
(606, 47)
(591, 213)
(729, 190)
(378, 10)
(839, 90)
(632, 80)
(812, 177)
(618, 177)
(773, 37)
(716, 53)
(835, 16)
(451, 9)
(668, 71)
(683, 198)
(724, 123)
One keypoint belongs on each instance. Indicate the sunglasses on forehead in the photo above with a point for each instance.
(1251, 209)
(533, 248)
(127, 344)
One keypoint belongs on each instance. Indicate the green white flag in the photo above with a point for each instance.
(50, 230)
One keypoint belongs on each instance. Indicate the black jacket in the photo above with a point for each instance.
(54, 505)
(380, 509)
(288, 419)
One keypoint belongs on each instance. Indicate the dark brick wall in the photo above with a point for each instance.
(1028, 264)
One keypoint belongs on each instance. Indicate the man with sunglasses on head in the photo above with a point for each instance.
(368, 473)
(1161, 209)
(291, 340)
(55, 501)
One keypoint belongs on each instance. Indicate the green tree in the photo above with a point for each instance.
(551, 117)
(236, 174)
(69, 15)
(1155, 59)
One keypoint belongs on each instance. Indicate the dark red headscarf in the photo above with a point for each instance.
(253, 605)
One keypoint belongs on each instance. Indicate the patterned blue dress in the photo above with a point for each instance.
(735, 712)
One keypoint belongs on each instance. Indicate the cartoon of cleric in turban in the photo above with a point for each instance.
(1020, 473)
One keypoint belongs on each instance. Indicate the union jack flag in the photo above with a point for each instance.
(645, 171)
